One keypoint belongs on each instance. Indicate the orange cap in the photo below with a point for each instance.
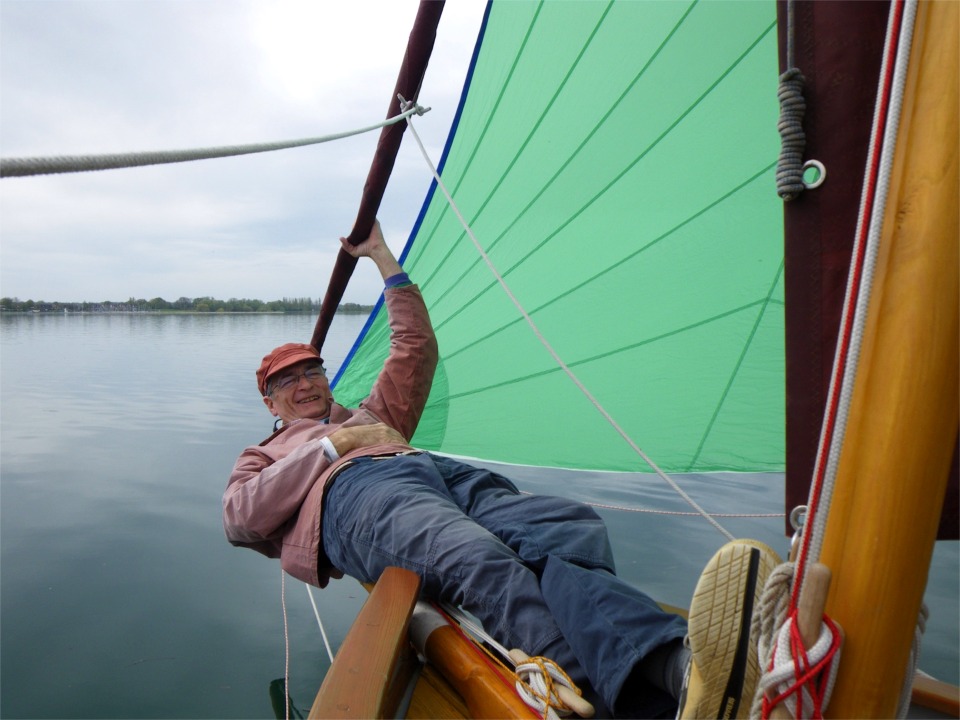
(283, 357)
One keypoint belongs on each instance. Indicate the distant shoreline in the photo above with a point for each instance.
(184, 305)
(366, 310)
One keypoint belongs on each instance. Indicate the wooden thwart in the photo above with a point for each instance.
(936, 695)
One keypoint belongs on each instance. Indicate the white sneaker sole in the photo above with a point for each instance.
(724, 657)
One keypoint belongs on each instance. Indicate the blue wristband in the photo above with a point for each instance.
(398, 280)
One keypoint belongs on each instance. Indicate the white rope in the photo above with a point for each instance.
(286, 645)
(913, 662)
(22, 167)
(770, 614)
(468, 625)
(316, 613)
(546, 344)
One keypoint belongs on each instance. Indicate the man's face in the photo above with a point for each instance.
(305, 397)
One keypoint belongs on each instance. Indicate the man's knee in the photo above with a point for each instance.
(578, 535)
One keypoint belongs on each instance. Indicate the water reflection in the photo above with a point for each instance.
(119, 593)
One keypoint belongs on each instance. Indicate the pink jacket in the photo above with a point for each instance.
(274, 496)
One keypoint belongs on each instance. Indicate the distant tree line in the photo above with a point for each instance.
(184, 304)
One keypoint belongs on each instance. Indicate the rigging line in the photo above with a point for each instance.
(677, 513)
(466, 623)
(26, 166)
(648, 511)
(792, 107)
(791, 29)
(553, 353)
(286, 645)
(316, 613)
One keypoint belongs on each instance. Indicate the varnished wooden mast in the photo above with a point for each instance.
(904, 415)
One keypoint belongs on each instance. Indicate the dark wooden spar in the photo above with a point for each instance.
(409, 80)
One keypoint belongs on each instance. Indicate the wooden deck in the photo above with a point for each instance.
(433, 697)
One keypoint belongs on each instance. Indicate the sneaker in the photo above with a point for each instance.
(723, 672)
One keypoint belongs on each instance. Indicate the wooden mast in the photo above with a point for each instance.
(904, 414)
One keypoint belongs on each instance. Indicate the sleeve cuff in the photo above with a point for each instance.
(328, 449)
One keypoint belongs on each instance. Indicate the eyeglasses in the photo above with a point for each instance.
(286, 382)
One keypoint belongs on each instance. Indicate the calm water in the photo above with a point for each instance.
(120, 596)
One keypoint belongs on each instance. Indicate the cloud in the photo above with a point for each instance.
(99, 76)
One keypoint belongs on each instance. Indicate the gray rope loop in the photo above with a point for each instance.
(792, 139)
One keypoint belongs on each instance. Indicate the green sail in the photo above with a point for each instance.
(616, 161)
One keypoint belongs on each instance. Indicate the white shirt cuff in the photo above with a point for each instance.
(328, 449)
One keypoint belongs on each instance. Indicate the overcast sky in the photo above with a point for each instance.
(104, 76)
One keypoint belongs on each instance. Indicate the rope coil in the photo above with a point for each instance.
(802, 678)
(792, 108)
(799, 677)
(538, 683)
(793, 141)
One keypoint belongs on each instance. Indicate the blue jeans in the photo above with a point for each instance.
(536, 571)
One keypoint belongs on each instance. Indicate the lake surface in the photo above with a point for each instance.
(119, 595)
